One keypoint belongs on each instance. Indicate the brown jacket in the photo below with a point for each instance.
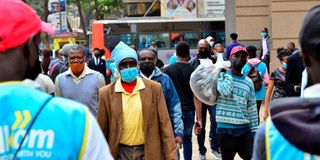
(158, 135)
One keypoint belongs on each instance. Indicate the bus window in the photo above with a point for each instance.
(128, 38)
(111, 40)
(191, 38)
(219, 37)
(161, 40)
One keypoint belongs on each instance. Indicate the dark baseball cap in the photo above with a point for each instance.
(309, 36)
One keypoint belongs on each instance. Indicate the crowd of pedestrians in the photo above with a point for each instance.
(136, 108)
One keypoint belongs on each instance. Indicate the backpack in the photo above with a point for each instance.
(254, 75)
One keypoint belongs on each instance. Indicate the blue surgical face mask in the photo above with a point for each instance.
(264, 34)
(211, 43)
(284, 65)
(128, 75)
(64, 60)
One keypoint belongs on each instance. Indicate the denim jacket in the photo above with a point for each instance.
(172, 100)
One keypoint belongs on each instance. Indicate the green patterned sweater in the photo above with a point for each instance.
(239, 107)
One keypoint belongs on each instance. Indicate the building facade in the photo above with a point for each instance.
(283, 18)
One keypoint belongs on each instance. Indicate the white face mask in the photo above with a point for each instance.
(219, 57)
(64, 59)
(211, 43)
(40, 58)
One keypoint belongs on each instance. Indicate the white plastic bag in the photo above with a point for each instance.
(203, 80)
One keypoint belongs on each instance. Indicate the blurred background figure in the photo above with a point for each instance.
(256, 66)
(210, 40)
(233, 43)
(265, 46)
(277, 81)
(46, 54)
(292, 47)
(98, 64)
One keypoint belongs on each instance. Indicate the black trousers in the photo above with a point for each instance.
(266, 60)
(258, 109)
(214, 138)
(243, 145)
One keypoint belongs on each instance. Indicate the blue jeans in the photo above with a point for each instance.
(188, 122)
(214, 142)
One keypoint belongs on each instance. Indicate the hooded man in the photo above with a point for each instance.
(292, 131)
(148, 70)
(32, 121)
(133, 113)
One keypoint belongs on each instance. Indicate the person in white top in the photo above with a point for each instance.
(45, 82)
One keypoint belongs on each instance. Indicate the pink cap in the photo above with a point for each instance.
(18, 23)
(237, 49)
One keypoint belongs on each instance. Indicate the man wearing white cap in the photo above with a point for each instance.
(133, 114)
(210, 40)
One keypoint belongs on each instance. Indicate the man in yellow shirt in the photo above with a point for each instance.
(133, 114)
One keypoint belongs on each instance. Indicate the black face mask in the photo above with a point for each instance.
(147, 67)
(204, 53)
(97, 55)
(238, 64)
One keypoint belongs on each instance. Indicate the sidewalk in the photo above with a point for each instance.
(195, 151)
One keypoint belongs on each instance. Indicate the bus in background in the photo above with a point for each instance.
(165, 33)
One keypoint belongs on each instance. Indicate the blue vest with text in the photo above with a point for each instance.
(59, 132)
(278, 148)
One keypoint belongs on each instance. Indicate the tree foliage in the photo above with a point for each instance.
(110, 6)
(87, 9)
(100, 7)
(37, 5)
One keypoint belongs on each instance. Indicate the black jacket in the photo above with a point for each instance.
(196, 62)
(101, 67)
(295, 68)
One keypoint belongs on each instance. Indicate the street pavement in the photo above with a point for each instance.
(195, 148)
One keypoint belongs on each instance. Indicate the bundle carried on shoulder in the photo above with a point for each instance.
(203, 80)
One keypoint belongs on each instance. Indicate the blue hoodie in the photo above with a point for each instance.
(172, 100)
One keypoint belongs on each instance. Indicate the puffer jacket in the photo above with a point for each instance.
(172, 100)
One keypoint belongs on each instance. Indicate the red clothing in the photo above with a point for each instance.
(129, 87)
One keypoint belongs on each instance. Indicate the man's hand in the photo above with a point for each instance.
(265, 115)
(200, 124)
(178, 140)
(297, 88)
(197, 127)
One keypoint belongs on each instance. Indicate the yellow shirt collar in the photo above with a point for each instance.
(140, 85)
